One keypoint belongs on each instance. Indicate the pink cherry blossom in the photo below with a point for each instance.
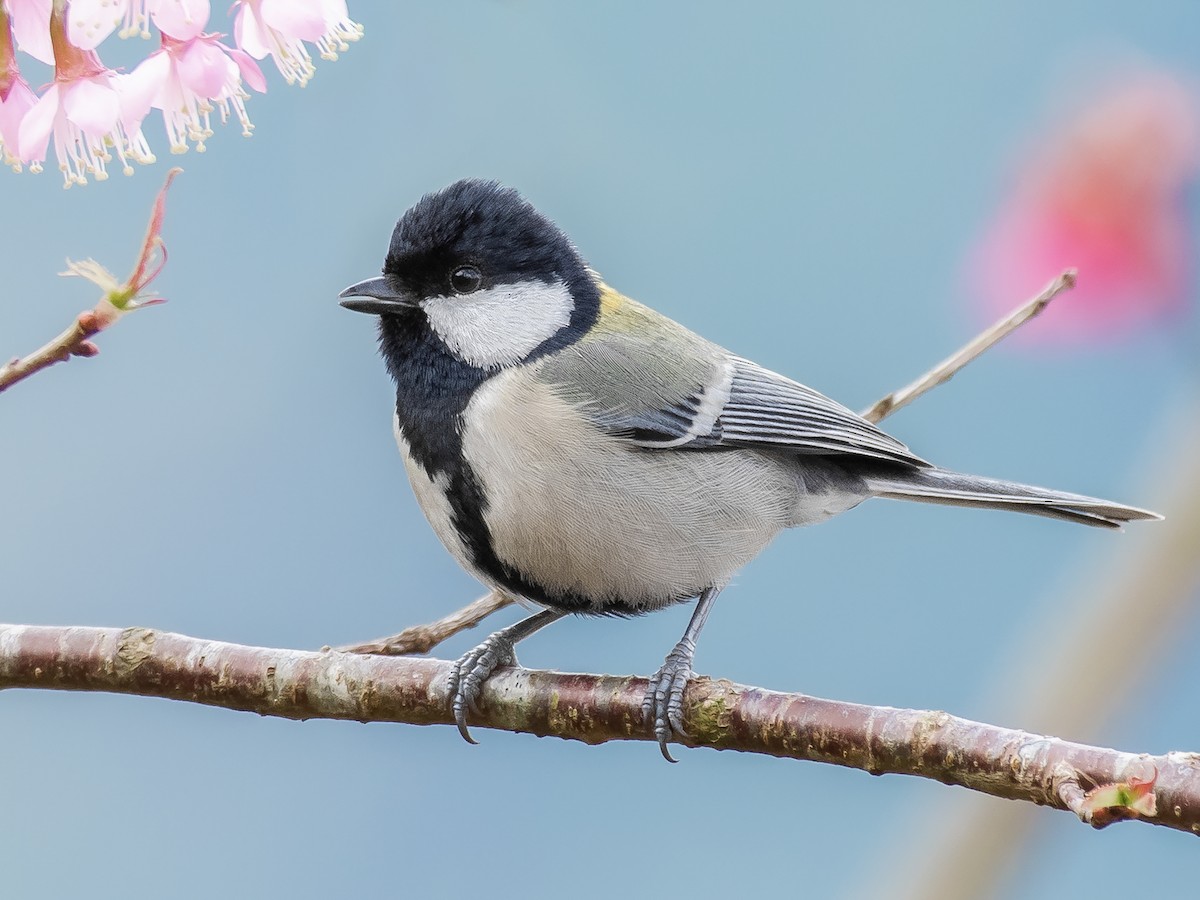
(1105, 195)
(90, 114)
(280, 29)
(81, 112)
(185, 79)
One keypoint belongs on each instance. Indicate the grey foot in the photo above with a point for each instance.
(472, 670)
(662, 709)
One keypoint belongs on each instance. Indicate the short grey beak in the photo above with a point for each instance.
(376, 296)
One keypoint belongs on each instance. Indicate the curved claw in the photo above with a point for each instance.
(461, 718)
(662, 746)
(459, 704)
(474, 668)
(662, 709)
(471, 671)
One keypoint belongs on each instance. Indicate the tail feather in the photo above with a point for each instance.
(954, 489)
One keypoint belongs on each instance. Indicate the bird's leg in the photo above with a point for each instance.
(472, 670)
(663, 707)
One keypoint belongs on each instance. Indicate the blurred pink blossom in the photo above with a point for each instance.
(1103, 194)
(280, 28)
(82, 112)
(185, 79)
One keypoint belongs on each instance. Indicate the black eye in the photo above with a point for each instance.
(466, 279)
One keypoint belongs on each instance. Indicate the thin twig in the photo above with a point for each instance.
(118, 299)
(72, 342)
(949, 367)
(298, 684)
(423, 638)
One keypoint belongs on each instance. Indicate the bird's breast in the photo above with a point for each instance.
(591, 519)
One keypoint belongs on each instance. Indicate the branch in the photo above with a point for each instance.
(1099, 785)
(118, 299)
(72, 342)
(949, 367)
(423, 638)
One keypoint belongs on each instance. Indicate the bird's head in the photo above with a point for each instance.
(496, 281)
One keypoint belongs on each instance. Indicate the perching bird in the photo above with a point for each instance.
(583, 453)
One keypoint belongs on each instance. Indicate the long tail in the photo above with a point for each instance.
(954, 489)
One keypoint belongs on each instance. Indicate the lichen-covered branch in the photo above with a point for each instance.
(1098, 784)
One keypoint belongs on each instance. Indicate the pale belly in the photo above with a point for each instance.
(585, 515)
(582, 513)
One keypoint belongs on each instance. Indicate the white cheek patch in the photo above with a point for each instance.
(501, 325)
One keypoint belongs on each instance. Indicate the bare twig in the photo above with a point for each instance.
(949, 367)
(72, 342)
(594, 709)
(118, 299)
(423, 638)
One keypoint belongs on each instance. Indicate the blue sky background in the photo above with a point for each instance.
(799, 182)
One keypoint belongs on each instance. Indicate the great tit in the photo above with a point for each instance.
(583, 453)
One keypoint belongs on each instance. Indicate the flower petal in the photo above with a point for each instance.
(138, 91)
(36, 126)
(31, 28)
(203, 69)
(12, 112)
(303, 19)
(181, 19)
(252, 74)
(90, 21)
(248, 33)
(92, 105)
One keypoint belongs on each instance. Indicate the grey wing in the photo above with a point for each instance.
(651, 381)
(667, 388)
(765, 409)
